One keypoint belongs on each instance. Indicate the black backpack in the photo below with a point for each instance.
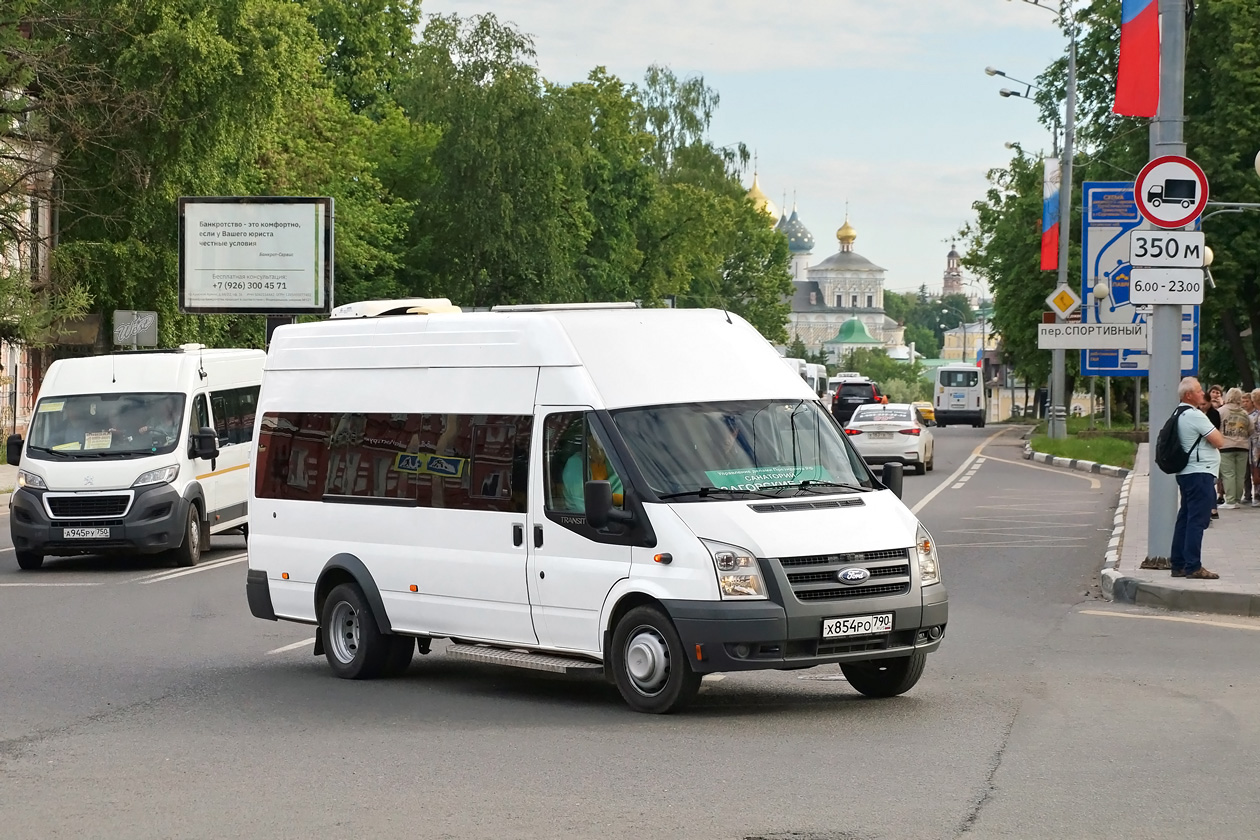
(1169, 456)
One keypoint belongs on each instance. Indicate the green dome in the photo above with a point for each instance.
(853, 331)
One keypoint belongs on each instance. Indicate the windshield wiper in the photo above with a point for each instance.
(817, 486)
(58, 453)
(706, 492)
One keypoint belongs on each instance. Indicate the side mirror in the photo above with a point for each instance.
(206, 443)
(891, 477)
(597, 496)
(13, 449)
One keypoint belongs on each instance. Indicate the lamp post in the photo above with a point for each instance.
(962, 322)
(1057, 426)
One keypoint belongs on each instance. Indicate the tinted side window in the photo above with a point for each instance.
(234, 414)
(462, 461)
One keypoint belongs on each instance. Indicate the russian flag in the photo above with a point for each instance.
(1050, 215)
(1137, 79)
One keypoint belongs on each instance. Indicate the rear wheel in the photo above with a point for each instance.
(885, 677)
(30, 560)
(931, 461)
(354, 646)
(649, 664)
(189, 553)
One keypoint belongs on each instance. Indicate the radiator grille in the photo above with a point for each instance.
(82, 507)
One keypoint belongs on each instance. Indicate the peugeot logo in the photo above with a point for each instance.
(853, 575)
(88, 481)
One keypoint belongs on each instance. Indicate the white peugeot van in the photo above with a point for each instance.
(136, 453)
(561, 488)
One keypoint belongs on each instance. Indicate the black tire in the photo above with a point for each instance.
(402, 650)
(885, 677)
(189, 551)
(919, 468)
(354, 646)
(931, 462)
(649, 664)
(29, 560)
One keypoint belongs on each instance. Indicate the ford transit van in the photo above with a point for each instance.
(135, 453)
(559, 488)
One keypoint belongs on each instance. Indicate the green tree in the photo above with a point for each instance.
(369, 45)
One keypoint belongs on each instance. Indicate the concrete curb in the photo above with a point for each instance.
(1123, 589)
(1073, 463)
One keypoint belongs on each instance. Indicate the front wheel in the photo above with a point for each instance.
(354, 646)
(30, 560)
(649, 664)
(189, 554)
(885, 677)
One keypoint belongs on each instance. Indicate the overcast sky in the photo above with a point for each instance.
(883, 104)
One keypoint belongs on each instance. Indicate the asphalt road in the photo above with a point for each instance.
(141, 701)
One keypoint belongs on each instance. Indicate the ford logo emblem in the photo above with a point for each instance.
(853, 575)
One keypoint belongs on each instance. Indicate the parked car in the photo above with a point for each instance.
(893, 432)
(926, 412)
(850, 394)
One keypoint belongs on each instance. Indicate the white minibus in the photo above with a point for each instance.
(548, 487)
(135, 453)
(958, 396)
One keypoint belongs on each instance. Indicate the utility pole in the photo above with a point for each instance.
(1165, 373)
(1057, 414)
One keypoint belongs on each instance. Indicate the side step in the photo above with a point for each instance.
(524, 659)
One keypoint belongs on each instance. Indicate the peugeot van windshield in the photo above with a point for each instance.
(771, 447)
(105, 426)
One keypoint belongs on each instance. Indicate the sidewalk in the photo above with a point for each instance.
(1227, 550)
(8, 480)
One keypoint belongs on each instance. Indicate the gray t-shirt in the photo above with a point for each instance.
(1203, 458)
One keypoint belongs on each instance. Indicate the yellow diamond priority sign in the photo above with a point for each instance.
(1063, 301)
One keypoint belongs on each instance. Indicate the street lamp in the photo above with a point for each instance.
(1057, 426)
(962, 322)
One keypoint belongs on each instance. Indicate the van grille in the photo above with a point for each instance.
(79, 507)
(783, 507)
(889, 575)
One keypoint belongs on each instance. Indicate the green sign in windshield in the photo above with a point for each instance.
(754, 478)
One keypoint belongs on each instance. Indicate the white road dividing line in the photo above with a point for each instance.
(294, 646)
(1094, 483)
(218, 564)
(955, 487)
(1206, 621)
(975, 453)
(51, 584)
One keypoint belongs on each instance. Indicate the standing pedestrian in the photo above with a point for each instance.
(1211, 401)
(1249, 406)
(1198, 437)
(1236, 428)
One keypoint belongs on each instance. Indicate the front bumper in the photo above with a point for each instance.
(154, 522)
(760, 635)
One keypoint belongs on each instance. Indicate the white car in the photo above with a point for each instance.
(893, 432)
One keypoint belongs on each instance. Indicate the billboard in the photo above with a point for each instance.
(265, 255)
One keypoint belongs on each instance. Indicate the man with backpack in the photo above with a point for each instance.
(1196, 455)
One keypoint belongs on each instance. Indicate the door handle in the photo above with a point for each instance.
(537, 536)
(518, 534)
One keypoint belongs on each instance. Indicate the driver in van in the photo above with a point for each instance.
(166, 423)
(575, 474)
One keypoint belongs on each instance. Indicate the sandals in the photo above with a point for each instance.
(1202, 574)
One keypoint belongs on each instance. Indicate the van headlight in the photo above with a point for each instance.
(26, 479)
(738, 574)
(164, 475)
(929, 566)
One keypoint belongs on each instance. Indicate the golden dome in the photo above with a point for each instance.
(762, 201)
(846, 234)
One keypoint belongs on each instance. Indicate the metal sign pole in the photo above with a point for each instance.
(1165, 372)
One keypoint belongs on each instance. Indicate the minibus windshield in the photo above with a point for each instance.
(770, 447)
(99, 426)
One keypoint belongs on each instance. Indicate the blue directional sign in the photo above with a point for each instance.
(1110, 214)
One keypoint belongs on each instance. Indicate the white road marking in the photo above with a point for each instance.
(53, 584)
(975, 453)
(1094, 483)
(1209, 622)
(294, 646)
(227, 561)
(955, 487)
(3, 550)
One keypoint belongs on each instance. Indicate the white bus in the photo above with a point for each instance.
(958, 396)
